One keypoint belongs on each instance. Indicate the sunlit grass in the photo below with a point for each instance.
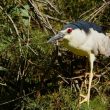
(64, 99)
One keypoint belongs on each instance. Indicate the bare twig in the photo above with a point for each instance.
(86, 12)
(39, 14)
(17, 32)
(106, 66)
(52, 6)
(56, 19)
(63, 78)
(3, 84)
(41, 1)
(50, 26)
(97, 11)
(42, 18)
(10, 101)
(32, 50)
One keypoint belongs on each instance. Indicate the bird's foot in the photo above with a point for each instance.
(86, 99)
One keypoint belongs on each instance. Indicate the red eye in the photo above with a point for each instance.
(69, 30)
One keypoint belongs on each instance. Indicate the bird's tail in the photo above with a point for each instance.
(108, 50)
(104, 45)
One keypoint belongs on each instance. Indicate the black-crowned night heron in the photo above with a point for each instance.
(84, 39)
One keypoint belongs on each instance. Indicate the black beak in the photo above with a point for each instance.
(58, 36)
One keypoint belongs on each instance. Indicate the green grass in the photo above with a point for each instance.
(64, 99)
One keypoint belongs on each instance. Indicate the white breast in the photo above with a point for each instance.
(83, 44)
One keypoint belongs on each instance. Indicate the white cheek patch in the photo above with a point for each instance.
(67, 37)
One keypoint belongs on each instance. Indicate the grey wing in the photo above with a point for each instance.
(102, 45)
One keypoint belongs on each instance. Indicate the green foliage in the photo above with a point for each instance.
(22, 13)
(39, 40)
(63, 99)
(76, 7)
(5, 43)
(58, 100)
(98, 103)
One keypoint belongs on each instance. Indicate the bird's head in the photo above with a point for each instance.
(64, 34)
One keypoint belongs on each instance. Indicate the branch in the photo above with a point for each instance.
(17, 98)
(3, 84)
(63, 78)
(56, 19)
(52, 6)
(96, 12)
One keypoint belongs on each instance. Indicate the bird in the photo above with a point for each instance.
(84, 38)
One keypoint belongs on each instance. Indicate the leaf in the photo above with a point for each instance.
(3, 69)
(24, 13)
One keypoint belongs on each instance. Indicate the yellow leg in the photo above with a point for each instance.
(87, 98)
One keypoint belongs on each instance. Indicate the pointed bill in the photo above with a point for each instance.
(58, 36)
